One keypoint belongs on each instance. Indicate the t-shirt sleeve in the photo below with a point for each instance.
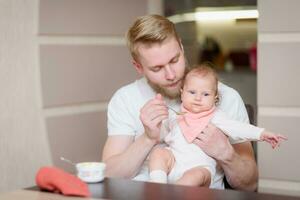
(119, 119)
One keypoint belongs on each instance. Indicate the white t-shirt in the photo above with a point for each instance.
(124, 114)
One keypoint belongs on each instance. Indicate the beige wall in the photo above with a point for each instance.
(23, 140)
(278, 94)
(83, 60)
(60, 61)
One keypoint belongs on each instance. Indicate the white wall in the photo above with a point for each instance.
(278, 94)
(23, 142)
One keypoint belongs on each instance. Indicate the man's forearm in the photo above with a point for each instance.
(128, 163)
(240, 168)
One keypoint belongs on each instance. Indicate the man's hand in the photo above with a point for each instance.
(152, 115)
(214, 143)
(237, 161)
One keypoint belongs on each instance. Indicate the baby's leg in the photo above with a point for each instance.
(161, 162)
(197, 176)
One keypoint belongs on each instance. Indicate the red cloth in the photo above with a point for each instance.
(56, 180)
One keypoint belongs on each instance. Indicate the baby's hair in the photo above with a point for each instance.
(204, 69)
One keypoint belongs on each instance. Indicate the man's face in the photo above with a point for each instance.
(163, 65)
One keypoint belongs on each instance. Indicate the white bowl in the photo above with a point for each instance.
(90, 172)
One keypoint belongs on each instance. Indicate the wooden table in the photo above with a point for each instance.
(135, 190)
(37, 195)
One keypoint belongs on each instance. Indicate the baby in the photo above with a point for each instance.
(183, 162)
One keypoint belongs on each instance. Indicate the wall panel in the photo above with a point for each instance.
(73, 74)
(279, 16)
(278, 74)
(280, 162)
(88, 17)
(77, 137)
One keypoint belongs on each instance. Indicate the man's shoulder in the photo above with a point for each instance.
(123, 112)
(228, 95)
(226, 90)
(131, 87)
(140, 90)
(133, 95)
(231, 103)
(126, 90)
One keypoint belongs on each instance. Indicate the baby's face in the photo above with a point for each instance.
(199, 93)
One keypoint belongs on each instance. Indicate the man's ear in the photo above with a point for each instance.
(181, 91)
(138, 67)
(181, 46)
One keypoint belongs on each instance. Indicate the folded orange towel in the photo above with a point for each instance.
(56, 180)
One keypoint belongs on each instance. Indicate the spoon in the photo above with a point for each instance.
(177, 113)
(67, 160)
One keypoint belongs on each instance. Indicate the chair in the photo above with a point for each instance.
(251, 114)
(252, 120)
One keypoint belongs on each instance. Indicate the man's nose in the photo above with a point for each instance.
(169, 72)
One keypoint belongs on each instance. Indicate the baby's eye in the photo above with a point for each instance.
(206, 94)
(191, 92)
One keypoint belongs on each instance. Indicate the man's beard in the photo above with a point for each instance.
(171, 94)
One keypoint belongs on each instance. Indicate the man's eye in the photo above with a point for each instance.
(174, 60)
(156, 69)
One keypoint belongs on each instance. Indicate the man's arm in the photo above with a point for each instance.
(240, 167)
(124, 156)
(236, 160)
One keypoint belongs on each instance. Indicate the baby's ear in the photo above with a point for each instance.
(217, 99)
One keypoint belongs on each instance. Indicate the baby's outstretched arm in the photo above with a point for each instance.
(272, 138)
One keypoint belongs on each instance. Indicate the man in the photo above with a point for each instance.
(136, 111)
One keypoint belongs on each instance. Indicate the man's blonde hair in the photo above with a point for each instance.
(150, 29)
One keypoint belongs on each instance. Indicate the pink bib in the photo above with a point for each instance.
(192, 124)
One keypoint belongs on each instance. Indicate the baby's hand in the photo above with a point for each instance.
(272, 138)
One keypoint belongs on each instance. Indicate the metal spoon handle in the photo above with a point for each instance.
(67, 160)
(177, 113)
